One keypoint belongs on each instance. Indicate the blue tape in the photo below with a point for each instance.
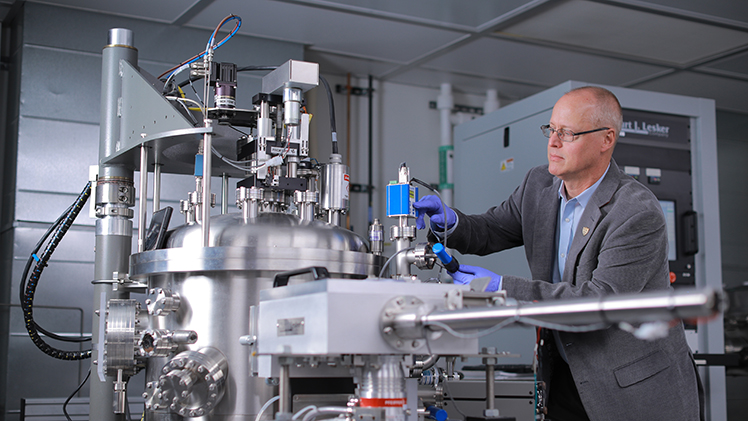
(36, 257)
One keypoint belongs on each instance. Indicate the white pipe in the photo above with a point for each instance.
(445, 103)
(492, 101)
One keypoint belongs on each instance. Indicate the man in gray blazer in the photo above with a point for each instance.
(588, 230)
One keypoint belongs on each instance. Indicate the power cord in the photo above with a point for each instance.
(67, 401)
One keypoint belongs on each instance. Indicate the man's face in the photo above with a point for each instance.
(575, 161)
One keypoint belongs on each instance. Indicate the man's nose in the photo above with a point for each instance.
(554, 140)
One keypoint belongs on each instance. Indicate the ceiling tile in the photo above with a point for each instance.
(452, 12)
(736, 65)
(329, 30)
(341, 65)
(508, 92)
(495, 58)
(722, 90)
(629, 32)
(160, 11)
(724, 9)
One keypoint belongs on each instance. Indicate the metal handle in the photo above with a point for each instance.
(318, 272)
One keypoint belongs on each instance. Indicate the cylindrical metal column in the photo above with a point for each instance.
(113, 232)
(142, 198)
(207, 155)
(156, 186)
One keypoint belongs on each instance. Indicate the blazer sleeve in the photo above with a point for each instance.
(627, 253)
(497, 229)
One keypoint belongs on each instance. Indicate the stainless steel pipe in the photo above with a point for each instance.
(609, 309)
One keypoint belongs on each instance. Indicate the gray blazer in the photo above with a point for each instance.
(620, 246)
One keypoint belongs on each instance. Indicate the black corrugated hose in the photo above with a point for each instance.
(27, 290)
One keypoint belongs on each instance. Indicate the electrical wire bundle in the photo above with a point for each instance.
(29, 284)
(173, 71)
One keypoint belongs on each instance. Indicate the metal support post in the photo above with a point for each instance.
(206, 198)
(113, 230)
(143, 198)
(156, 186)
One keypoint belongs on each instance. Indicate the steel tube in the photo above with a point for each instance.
(284, 389)
(112, 248)
(490, 386)
(142, 197)
(224, 194)
(156, 187)
(205, 210)
(641, 307)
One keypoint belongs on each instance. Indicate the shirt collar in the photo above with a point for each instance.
(585, 196)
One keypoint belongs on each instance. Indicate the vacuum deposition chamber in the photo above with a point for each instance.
(238, 308)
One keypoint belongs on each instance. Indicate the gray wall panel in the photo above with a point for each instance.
(62, 284)
(54, 155)
(28, 378)
(39, 206)
(733, 197)
(77, 245)
(70, 92)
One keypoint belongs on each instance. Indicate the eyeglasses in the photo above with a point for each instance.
(565, 134)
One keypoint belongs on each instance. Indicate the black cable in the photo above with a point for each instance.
(60, 227)
(444, 208)
(128, 416)
(331, 103)
(67, 401)
(255, 68)
(22, 287)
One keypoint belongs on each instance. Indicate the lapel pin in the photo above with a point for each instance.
(585, 230)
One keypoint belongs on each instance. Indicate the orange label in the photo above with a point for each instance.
(382, 402)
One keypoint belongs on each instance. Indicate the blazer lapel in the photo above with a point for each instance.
(545, 222)
(590, 218)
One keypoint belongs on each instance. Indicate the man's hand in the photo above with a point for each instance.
(465, 274)
(432, 206)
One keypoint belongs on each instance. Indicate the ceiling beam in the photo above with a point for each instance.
(528, 9)
(193, 11)
(677, 13)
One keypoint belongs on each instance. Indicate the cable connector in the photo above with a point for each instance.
(274, 161)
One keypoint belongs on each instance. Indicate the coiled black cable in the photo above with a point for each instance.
(60, 227)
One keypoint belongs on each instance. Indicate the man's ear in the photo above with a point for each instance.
(609, 141)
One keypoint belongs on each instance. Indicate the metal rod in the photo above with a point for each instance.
(633, 308)
(142, 197)
(490, 386)
(348, 134)
(225, 194)
(284, 390)
(641, 307)
(369, 188)
(207, 155)
(156, 187)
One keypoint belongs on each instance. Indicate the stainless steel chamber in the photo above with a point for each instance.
(211, 291)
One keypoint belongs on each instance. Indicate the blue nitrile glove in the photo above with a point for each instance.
(466, 274)
(432, 206)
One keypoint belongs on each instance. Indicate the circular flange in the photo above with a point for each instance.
(407, 335)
